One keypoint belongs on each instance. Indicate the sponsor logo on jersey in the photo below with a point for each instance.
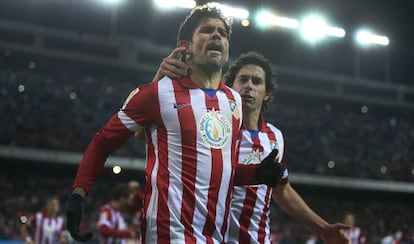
(181, 105)
(215, 129)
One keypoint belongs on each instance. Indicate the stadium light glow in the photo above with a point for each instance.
(237, 13)
(113, 2)
(265, 18)
(171, 4)
(314, 27)
(116, 169)
(366, 37)
(245, 23)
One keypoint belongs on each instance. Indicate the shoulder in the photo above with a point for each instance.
(275, 130)
(232, 92)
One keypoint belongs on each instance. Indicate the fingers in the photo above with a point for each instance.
(272, 155)
(173, 68)
(176, 51)
(343, 226)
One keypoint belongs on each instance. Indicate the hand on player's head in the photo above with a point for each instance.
(171, 66)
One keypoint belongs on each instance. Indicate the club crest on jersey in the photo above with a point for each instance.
(234, 109)
(274, 145)
(255, 157)
(215, 129)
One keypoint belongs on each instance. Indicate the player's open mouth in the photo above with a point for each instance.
(215, 47)
(247, 98)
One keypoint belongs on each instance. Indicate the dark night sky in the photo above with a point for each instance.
(140, 18)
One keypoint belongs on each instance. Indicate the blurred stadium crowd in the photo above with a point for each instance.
(60, 106)
(25, 192)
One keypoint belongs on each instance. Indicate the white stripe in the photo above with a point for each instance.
(281, 144)
(227, 165)
(236, 207)
(151, 214)
(202, 182)
(105, 222)
(38, 218)
(127, 121)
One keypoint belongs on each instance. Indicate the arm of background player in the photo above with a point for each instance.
(108, 231)
(293, 204)
(171, 66)
(246, 175)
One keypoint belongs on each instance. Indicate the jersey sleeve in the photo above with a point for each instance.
(138, 111)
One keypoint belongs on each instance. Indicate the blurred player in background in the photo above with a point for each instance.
(253, 77)
(112, 227)
(355, 233)
(45, 227)
(135, 207)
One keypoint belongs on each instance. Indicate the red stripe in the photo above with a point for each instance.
(40, 236)
(234, 159)
(246, 214)
(262, 225)
(249, 201)
(163, 217)
(148, 186)
(215, 180)
(188, 158)
(272, 137)
(163, 214)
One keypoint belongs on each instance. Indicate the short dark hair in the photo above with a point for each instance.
(208, 10)
(255, 59)
(120, 190)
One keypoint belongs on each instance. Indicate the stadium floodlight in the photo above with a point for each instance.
(365, 37)
(335, 31)
(113, 2)
(171, 4)
(265, 18)
(245, 22)
(237, 13)
(314, 27)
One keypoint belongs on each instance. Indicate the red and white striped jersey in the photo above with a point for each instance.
(191, 154)
(111, 218)
(249, 215)
(355, 235)
(47, 230)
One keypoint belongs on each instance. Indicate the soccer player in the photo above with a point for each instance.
(192, 126)
(135, 207)
(355, 234)
(45, 226)
(253, 77)
(112, 227)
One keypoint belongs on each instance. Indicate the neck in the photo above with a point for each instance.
(115, 205)
(251, 119)
(50, 215)
(205, 78)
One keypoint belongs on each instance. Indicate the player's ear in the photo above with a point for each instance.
(266, 98)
